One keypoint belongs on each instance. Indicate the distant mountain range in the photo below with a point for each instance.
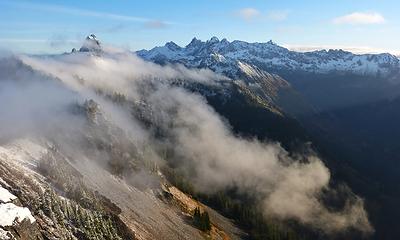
(347, 78)
(222, 56)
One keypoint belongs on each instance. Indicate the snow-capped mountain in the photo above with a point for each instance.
(234, 60)
(91, 44)
(223, 56)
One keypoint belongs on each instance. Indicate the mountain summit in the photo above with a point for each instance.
(91, 44)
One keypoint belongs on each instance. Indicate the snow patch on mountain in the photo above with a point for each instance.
(11, 213)
(6, 196)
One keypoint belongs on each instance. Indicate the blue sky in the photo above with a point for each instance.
(44, 26)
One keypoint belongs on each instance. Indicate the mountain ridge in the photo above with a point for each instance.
(271, 57)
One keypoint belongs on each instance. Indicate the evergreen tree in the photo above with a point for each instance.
(201, 220)
(205, 221)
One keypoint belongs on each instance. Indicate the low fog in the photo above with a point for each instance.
(35, 93)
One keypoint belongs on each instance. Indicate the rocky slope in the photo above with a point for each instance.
(61, 199)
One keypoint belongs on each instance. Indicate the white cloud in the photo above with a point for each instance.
(248, 14)
(278, 15)
(357, 18)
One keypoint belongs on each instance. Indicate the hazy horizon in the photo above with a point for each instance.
(45, 27)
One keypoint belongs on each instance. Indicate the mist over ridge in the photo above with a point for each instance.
(200, 139)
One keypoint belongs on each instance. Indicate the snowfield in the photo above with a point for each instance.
(9, 212)
(6, 196)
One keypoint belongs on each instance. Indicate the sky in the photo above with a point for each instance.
(45, 27)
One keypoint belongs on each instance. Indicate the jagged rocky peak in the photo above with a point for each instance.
(91, 44)
(213, 40)
(195, 42)
(224, 41)
(172, 46)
